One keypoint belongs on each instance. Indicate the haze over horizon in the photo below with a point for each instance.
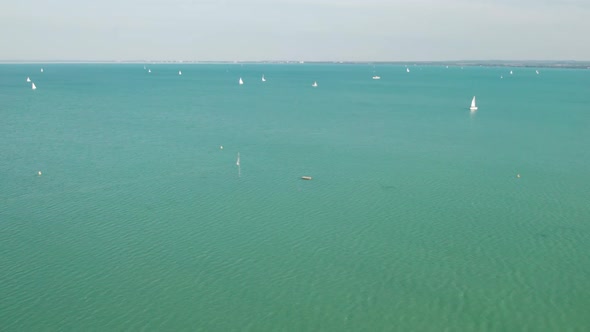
(256, 30)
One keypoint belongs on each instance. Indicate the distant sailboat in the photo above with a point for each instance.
(179, 72)
(238, 164)
(511, 72)
(407, 70)
(28, 79)
(263, 79)
(149, 70)
(536, 71)
(473, 106)
(375, 77)
(315, 84)
(41, 69)
(33, 86)
(241, 82)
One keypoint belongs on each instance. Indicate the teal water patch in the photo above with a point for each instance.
(415, 218)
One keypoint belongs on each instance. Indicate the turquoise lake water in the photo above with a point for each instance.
(415, 219)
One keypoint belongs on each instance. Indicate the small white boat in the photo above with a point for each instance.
(41, 69)
(149, 70)
(238, 161)
(315, 84)
(407, 70)
(473, 107)
(29, 79)
(241, 82)
(511, 72)
(33, 86)
(263, 79)
(376, 77)
(536, 71)
(179, 72)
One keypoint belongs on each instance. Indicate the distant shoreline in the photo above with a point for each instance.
(466, 63)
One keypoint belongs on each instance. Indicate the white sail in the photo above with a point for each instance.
(33, 86)
(407, 70)
(536, 71)
(28, 79)
(263, 79)
(41, 69)
(376, 77)
(241, 81)
(473, 106)
(511, 72)
(179, 72)
(238, 161)
(315, 84)
(149, 70)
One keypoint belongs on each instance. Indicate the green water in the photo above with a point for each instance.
(415, 219)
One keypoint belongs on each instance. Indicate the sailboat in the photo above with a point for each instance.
(473, 107)
(536, 71)
(376, 77)
(238, 164)
(33, 86)
(41, 69)
(407, 70)
(241, 82)
(149, 70)
(238, 161)
(315, 84)
(179, 72)
(511, 72)
(263, 79)
(28, 79)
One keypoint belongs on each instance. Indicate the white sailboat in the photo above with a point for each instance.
(241, 82)
(376, 77)
(473, 107)
(149, 70)
(511, 72)
(41, 69)
(407, 70)
(238, 164)
(33, 86)
(28, 79)
(263, 79)
(315, 84)
(536, 71)
(179, 72)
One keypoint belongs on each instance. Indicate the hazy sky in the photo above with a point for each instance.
(294, 29)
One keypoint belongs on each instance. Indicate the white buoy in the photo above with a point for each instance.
(39, 173)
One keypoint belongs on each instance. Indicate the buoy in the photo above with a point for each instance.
(39, 173)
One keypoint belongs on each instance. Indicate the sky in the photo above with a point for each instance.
(302, 30)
